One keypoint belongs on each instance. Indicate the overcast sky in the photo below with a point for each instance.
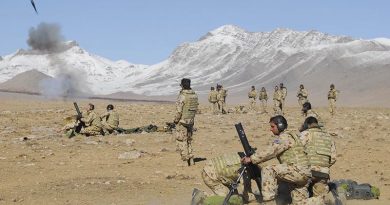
(147, 31)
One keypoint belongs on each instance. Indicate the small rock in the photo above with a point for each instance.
(129, 142)
(134, 154)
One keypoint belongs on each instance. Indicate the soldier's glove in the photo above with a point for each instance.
(176, 121)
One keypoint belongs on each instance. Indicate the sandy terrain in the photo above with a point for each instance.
(39, 166)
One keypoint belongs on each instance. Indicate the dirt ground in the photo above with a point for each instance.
(40, 166)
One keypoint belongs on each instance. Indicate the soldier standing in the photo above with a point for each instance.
(277, 101)
(309, 112)
(252, 94)
(222, 93)
(302, 95)
(186, 107)
(293, 167)
(263, 97)
(93, 123)
(321, 151)
(283, 90)
(332, 95)
(110, 120)
(213, 99)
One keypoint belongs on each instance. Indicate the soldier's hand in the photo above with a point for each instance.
(246, 160)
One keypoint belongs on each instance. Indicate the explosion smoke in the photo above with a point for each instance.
(68, 81)
(46, 37)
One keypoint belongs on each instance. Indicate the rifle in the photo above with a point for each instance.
(252, 170)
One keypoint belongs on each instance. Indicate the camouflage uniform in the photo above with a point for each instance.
(93, 124)
(110, 121)
(321, 152)
(263, 99)
(222, 100)
(252, 99)
(186, 107)
(293, 167)
(277, 102)
(71, 126)
(332, 95)
(302, 96)
(283, 91)
(213, 99)
(220, 172)
(312, 113)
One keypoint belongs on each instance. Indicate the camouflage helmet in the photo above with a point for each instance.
(332, 85)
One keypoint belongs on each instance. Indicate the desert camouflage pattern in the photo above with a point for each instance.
(277, 102)
(332, 97)
(285, 147)
(222, 100)
(263, 97)
(184, 141)
(220, 172)
(110, 121)
(186, 107)
(312, 113)
(213, 99)
(302, 96)
(322, 154)
(252, 99)
(283, 92)
(93, 124)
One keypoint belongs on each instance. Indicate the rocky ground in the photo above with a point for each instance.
(40, 166)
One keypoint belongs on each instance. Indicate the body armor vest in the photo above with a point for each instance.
(319, 148)
(252, 94)
(213, 96)
(227, 165)
(295, 155)
(263, 95)
(190, 104)
(332, 94)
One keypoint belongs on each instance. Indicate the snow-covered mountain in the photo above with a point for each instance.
(237, 59)
(102, 75)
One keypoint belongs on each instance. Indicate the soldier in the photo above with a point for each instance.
(321, 152)
(72, 126)
(308, 112)
(110, 120)
(92, 122)
(221, 99)
(186, 107)
(263, 97)
(302, 95)
(220, 172)
(332, 95)
(277, 101)
(252, 98)
(283, 90)
(213, 99)
(293, 167)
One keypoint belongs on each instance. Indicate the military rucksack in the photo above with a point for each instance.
(357, 191)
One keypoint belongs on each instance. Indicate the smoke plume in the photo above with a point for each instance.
(46, 37)
(68, 80)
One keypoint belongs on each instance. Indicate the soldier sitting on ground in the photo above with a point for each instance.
(92, 122)
(110, 120)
